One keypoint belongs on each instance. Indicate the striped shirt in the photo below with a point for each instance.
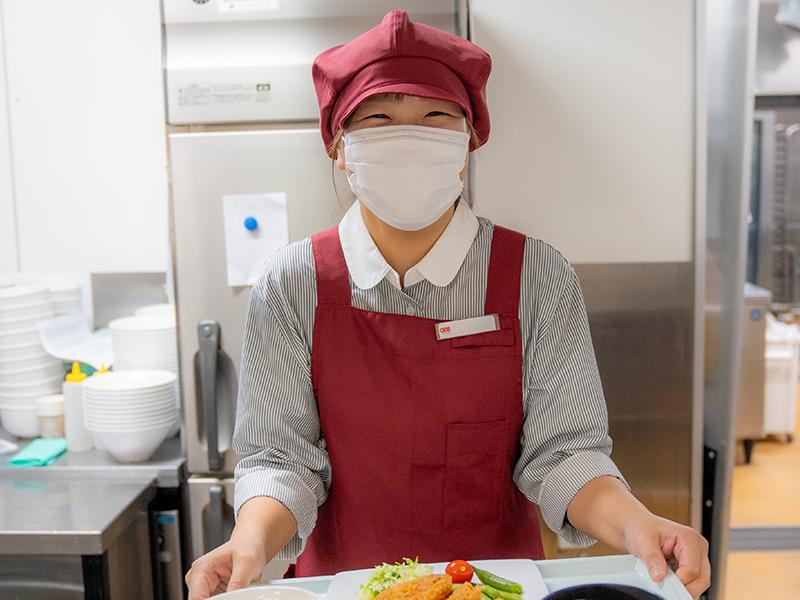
(564, 442)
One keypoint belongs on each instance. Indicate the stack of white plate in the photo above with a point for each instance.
(146, 342)
(26, 370)
(66, 298)
(130, 412)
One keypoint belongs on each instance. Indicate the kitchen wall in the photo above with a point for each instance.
(83, 179)
(594, 148)
(8, 234)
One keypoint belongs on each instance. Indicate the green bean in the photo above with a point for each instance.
(497, 582)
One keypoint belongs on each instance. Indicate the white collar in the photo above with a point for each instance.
(439, 266)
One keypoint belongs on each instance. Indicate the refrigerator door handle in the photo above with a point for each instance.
(208, 334)
(216, 513)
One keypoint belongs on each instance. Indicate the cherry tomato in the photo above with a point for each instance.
(460, 571)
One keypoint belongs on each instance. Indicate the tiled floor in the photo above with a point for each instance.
(766, 492)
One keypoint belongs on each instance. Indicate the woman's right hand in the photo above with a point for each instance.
(233, 566)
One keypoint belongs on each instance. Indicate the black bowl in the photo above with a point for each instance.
(602, 591)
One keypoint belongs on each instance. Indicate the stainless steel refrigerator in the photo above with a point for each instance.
(242, 120)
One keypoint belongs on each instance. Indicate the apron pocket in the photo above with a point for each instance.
(474, 472)
(501, 337)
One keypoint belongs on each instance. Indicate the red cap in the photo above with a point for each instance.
(399, 56)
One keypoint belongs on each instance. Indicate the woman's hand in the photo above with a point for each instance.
(263, 527)
(660, 542)
(234, 565)
(607, 511)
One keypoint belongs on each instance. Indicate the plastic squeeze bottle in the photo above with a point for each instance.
(79, 439)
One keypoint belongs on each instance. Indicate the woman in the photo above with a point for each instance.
(451, 385)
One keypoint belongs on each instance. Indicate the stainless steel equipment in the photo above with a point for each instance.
(242, 119)
(750, 400)
(169, 556)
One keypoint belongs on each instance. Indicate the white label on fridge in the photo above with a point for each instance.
(256, 225)
(227, 6)
(216, 94)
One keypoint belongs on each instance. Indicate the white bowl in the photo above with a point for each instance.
(129, 381)
(155, 309)
(19, 353)
(113, 404)
(127, 426)
(126, 423)
(20, 421)
(7, 327)
(25, 311)
(133, 445)
(19, 336)
(271, 592)
(146, 323)
(34, 374)
(66, 287)
(41, 387)
(7, 280)
(23, 294)
(129, 406)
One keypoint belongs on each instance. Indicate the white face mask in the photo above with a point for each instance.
(408, 175)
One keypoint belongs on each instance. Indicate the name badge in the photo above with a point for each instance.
(462, 327)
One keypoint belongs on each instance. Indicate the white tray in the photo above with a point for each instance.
(562, 573)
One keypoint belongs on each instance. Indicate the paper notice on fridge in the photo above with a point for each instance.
(69, 338)
(256, 225)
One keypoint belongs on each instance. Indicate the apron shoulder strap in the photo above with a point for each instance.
(333, 278)
(505, 271)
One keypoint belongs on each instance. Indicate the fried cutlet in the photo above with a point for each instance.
(466, 591)
(428, 587)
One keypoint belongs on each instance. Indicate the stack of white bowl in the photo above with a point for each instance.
(130, 412)
(26, 370)
(145, 342)
(66, 298)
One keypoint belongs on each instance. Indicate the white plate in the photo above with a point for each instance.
(142, 324)
(345, 585)
(155, 309)
(23, 294)
(130, 380)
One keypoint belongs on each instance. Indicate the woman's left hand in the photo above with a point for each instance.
(661, 543)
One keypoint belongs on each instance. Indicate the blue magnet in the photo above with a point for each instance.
(251, 224)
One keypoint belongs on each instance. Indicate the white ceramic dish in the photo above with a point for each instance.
(20, 421)
(126, 427)
(23, 294)
(130, 380)
(156, 309)
(21, 336)
(26, 311)
(8, 326)
(145, 323)
(101, 414)
(345, 585)
(34, 374)
(22, 354)
(274, 592)
(41, 387)
(66, 287)
(134, 445)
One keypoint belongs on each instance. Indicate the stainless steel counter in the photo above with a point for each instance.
(166, 467)
(67, 517)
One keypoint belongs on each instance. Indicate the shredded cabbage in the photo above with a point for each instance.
(386, 575)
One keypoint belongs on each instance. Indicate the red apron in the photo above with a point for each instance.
(423, 435)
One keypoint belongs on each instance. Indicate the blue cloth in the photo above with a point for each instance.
(39, 453)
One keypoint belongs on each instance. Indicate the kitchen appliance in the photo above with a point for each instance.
(750, 401)
(242, 127)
